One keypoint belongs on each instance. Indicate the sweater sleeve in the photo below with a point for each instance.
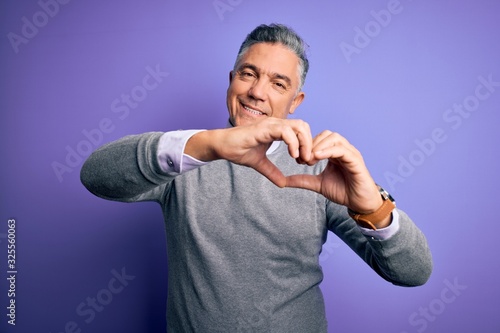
(403, 259)
(126, 170)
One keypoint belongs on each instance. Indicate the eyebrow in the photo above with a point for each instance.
(258, 70)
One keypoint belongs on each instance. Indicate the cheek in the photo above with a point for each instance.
(283, 106)
(231, 102)
(239, 87)
(232, 92)
(230, 95)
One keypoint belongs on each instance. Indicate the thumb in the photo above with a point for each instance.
(308, 182)
(270, 171)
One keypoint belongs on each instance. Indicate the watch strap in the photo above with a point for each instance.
(368, 220)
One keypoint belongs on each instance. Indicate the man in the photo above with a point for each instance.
(247, 208)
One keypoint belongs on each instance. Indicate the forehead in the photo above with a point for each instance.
(272, 59)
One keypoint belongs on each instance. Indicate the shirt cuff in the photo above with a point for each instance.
(170, 154)
(384, 233)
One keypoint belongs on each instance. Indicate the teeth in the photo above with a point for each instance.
(252, 111)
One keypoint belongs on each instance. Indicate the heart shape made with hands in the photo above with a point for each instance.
(344, 180)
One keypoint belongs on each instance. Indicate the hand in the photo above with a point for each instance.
(247, 145)
(345, 180)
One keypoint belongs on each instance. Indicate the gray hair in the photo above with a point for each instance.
(278, 34)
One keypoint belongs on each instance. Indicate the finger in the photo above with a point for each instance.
(297, 135)
(320, 143)
(271, 172)
(308, 182)
(332, 145)
(289, 136)
(302, 132)
(279, 129)
(347, 158)
(305, 141)
(320, 137)
(326, 139)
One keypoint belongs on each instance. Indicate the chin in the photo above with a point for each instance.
(245, 121)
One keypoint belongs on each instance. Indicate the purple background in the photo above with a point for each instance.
(387, 99)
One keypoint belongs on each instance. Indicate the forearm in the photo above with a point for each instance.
(124, 169)
(403, 258)
(202, 145)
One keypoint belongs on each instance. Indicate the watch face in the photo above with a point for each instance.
(385, 195)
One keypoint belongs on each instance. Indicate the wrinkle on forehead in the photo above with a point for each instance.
(270, 51)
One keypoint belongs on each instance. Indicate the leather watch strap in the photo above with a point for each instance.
(368, 220)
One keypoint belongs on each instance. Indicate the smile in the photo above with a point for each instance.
(252, 111)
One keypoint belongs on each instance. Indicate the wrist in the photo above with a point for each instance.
(379, 218)
(201, 146)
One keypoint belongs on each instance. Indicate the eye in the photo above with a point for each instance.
(247, 74)
(280, 85)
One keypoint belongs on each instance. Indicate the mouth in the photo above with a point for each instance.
(252, 111)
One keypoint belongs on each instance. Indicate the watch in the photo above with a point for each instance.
(368, 220)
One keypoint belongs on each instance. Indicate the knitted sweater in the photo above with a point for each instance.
(243, 254)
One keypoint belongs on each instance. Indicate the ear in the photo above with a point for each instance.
(230, 77)
(297, 101)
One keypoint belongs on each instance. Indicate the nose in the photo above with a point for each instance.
(258, 90)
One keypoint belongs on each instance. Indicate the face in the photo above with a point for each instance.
(264, 83)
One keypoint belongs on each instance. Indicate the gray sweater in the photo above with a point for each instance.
(243, 254)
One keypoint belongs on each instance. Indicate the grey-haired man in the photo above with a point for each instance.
(243, 239)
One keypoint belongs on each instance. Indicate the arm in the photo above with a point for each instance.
(247, 145)
(137, 167)
(124, 170)
(403, 259)
(345, 179)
